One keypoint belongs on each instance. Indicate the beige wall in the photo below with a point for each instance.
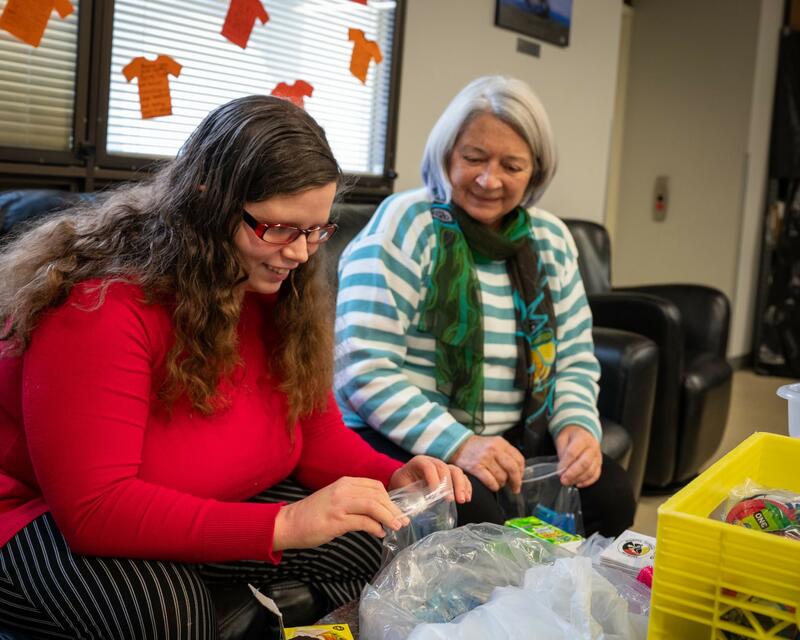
(689, 111)
(618, 123)
(450, 42)
(699, 96)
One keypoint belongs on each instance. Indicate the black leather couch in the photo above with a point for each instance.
(628, 362)
(689, 323)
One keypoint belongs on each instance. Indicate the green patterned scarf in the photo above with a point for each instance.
(452, 312)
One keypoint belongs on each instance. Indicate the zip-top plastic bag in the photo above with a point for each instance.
(630, 589)
(767, 509)
(429, 510)
(544, 497)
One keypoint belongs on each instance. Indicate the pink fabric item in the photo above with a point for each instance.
(646, 576)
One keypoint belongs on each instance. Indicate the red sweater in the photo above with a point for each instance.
(83, 435)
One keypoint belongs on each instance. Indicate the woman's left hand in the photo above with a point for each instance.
(579, 457)
(433, 471)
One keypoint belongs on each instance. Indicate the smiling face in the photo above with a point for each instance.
(268, 265)
(490, 168)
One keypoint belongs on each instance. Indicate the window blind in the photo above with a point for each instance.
(303, 40)
(37, 86)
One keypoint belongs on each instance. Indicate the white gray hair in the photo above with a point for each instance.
(513, 102)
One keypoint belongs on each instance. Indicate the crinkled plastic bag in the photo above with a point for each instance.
(429, 510)
(444, 575)
(544, 496)
(636, 594)
(773, 510)
(568, 600)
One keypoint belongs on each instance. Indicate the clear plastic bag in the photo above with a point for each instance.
(429, 510)
(445, 575)
(544, 496)
(754, 506)
(636, 594)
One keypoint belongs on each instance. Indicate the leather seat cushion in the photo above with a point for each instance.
(707, 386)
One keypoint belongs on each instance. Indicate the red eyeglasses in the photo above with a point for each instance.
(286, 234)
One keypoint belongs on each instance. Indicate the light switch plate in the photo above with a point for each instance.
(660, 198)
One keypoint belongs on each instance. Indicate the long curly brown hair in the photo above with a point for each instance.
(173, 236)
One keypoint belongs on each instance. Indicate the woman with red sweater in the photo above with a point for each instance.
(165, 413)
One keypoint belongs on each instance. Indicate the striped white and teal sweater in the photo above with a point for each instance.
(385, 365)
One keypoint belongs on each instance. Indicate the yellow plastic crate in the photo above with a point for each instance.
(706, 568)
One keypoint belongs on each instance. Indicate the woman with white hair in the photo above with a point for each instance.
(463, 329)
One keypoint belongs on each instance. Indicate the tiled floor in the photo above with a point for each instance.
(754, 407)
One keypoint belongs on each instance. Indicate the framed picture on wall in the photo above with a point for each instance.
(546, 20)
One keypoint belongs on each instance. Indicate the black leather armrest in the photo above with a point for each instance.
(660, 320)
(646, 314)
(707, 389)
(628, 370)
(705, 313)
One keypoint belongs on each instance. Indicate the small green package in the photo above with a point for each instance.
(546, 532)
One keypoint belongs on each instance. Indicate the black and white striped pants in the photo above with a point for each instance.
(47, 592)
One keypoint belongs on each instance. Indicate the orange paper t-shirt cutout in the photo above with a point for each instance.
(27, 19)
(241, 17)
(294, 93)
(363, 51)
(154, 98)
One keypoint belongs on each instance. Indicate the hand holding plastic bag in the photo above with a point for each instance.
(428, 510)
(544, 496)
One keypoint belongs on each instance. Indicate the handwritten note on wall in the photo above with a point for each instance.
(242, 15)
(27, 19)
(153, 75)
(364, 51)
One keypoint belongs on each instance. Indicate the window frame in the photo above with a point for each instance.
(88, 164)
(80, 111)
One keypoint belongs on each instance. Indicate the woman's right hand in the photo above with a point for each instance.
(349, 504)
(493, 460)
